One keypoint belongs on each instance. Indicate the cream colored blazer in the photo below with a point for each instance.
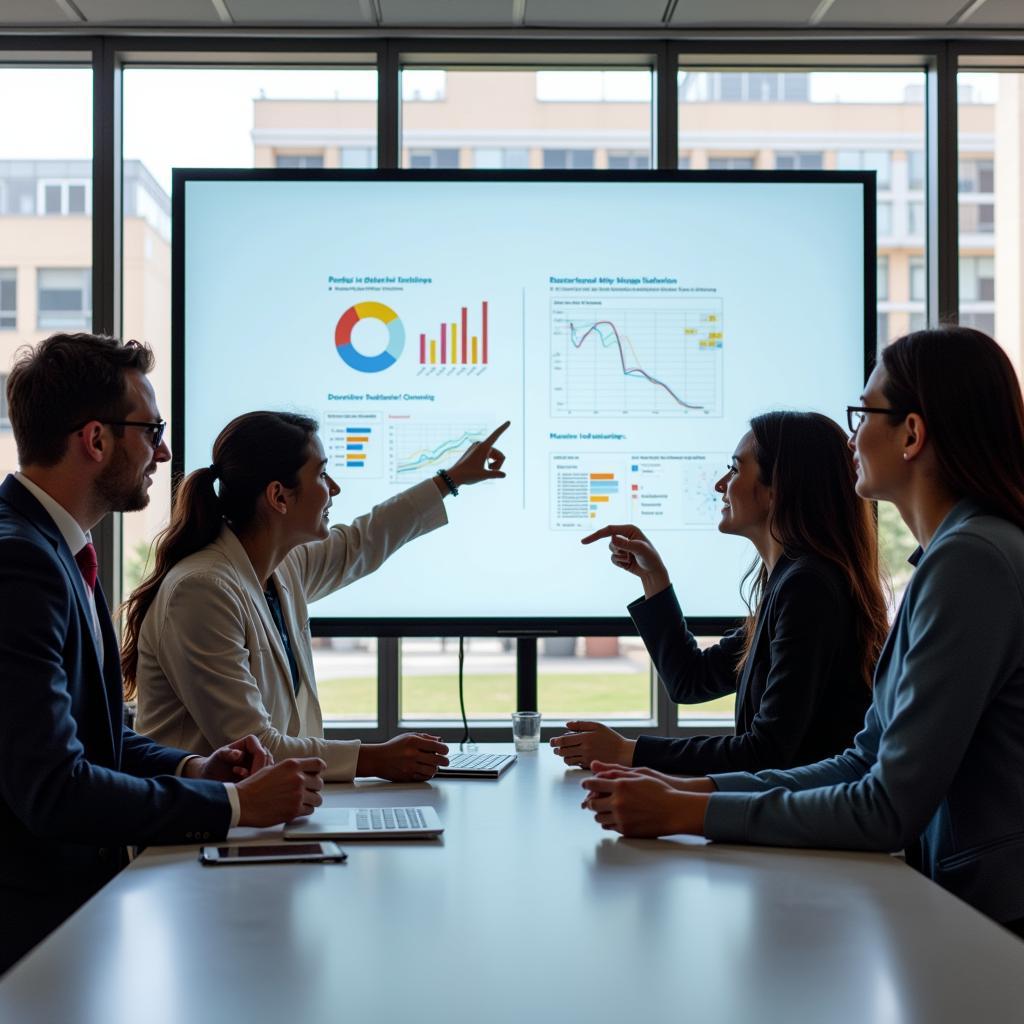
(212, 666)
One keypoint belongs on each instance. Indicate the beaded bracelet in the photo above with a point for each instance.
(448, 482)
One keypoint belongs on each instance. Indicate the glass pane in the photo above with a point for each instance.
(526, 119)
(429, 688)
(599, 677)
(722, 710)
(46, 139)
(990, 121)
(850, 120)
(215, 117)
(346, 678)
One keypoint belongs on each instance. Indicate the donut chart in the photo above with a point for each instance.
(350, 355)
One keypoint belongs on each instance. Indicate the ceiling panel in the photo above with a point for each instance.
(716, 13)
(997, 14)
(149, 12)
(893, 13)
(448, 12)
(302, 12)
(34, 12)
(583, 13)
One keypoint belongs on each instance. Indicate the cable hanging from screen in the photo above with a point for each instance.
(466, 738)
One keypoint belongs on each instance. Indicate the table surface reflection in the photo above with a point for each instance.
(524, 909)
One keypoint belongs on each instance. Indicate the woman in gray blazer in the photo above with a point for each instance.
(937, 769)
(217, 635)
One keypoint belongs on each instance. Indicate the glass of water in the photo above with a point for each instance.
(526, 730)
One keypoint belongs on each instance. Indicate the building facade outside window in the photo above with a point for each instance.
(626, 161)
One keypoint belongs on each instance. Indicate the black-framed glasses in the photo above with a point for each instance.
(154, 430)
(855, 415)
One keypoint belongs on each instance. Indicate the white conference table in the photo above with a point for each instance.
(524, 910)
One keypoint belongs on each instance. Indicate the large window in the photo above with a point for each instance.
(216, 117)
(45, 228)
(555, 119)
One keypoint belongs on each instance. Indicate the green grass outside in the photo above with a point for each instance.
(493, 696)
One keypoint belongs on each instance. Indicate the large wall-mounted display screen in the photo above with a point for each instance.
(629, 326)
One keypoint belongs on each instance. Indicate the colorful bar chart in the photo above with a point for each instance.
(357, 440)
(603, 486)
(473, 350)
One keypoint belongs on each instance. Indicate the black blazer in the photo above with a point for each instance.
(800, 697)
(76, 785)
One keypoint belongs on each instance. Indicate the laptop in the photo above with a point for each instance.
(477, 766)
(367, 823)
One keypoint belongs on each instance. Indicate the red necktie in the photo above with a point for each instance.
(87, 564)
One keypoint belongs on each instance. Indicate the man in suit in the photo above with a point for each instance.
(76, 785)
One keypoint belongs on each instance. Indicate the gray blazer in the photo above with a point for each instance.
(939, 767)
(211, 663)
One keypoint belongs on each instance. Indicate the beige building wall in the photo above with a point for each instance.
(28, 243)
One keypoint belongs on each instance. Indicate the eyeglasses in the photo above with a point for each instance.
(155, 430)
(855, 415)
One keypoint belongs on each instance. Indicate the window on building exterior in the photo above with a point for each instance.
(5, 418)
(918, 322)
(883, 219)
(63, 198)
(433, 159)
(979, 321)
(977, 218)
(65, 299)
(882, 285)
(799, 161)
(915, 170)
(684, 162)
(882, 328)
(568, 159)
(299, 162)
(877, 160)
(976, 175)
(8, 300)
(498, 159)
(918, 279)
(744, 87)
(915, 220)
(977, 279)
(355, 158)
(620, 160)
(731, 163)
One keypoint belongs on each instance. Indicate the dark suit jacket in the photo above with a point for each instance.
(76, 785)
(800, 697)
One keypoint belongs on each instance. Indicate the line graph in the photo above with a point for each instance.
(420, 447)
(643, 356)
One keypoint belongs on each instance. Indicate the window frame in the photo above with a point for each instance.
(107, 53)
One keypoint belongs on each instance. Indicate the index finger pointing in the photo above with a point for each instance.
(496, 433)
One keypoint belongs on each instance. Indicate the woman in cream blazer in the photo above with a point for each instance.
(217, 639)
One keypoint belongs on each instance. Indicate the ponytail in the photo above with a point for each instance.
(195, 522)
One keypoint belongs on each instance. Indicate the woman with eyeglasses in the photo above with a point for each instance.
(938, 769)
(801, 664)
(217, 639)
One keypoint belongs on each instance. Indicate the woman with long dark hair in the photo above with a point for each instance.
(216, 638)
(801, 664)
(937, 770)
